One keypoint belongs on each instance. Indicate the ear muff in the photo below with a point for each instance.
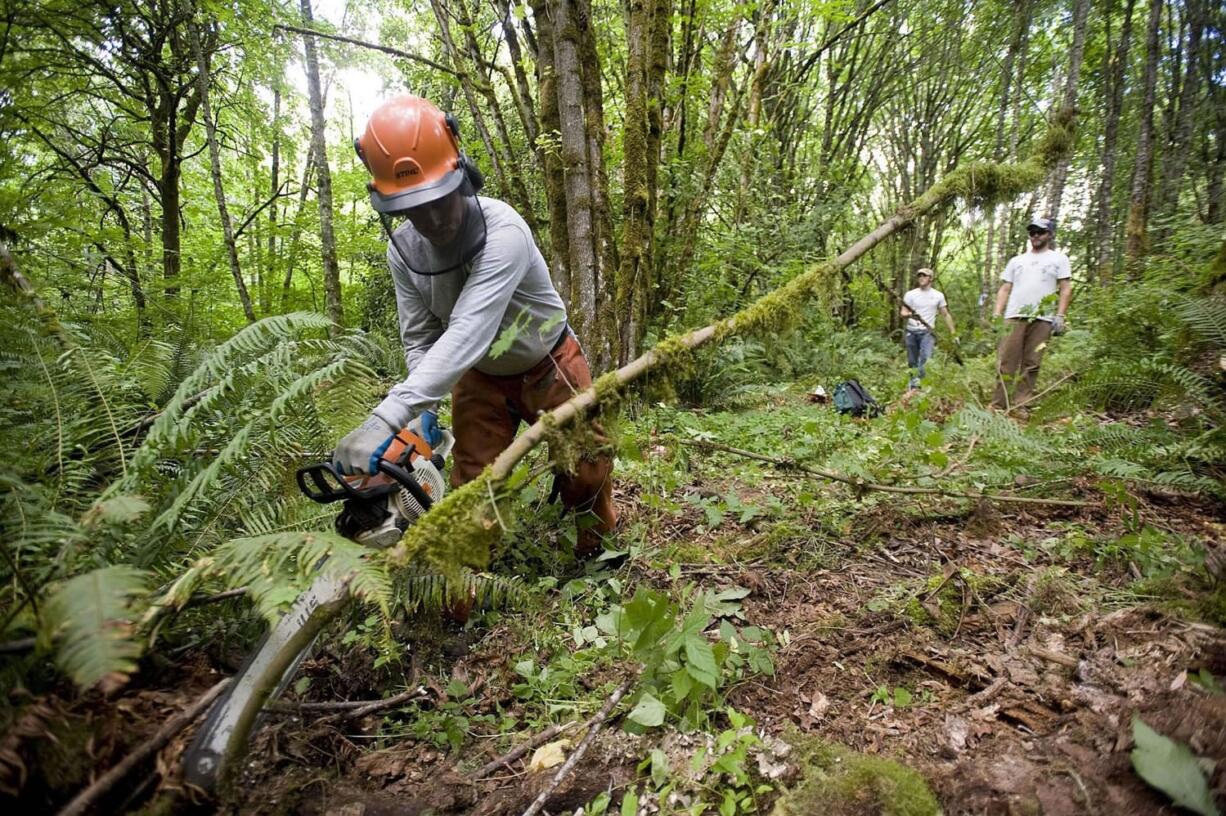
(357, 148)
(471, 173)
(452, 125)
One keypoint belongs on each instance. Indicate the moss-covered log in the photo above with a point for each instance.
(461, 528)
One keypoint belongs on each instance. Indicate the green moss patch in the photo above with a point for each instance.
(837, 781)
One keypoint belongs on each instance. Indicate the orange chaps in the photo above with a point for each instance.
(486, 412)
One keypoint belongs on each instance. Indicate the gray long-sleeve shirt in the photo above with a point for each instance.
(448, 322)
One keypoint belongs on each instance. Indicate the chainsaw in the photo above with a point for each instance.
(378, 509)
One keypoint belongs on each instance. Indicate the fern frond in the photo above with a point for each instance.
(90, 616)
(277, 566)
(1207, 318)
(434, 592)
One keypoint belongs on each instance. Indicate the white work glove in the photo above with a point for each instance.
(1058, 326)
(359, 450)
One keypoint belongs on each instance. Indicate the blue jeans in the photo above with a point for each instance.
(920, 345)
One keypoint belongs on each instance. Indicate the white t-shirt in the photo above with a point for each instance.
(926, 304)
(1034, 276)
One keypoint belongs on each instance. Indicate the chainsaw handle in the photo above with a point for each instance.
(407, 481)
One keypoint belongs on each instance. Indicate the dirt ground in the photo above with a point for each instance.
(1024, 676)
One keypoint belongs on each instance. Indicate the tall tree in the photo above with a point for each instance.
(1135, 239)
(1179, 139)
(219, 190)
(1055, 186)
(1114, 84)
(319, 152)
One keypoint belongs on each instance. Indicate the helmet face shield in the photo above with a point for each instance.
(422, 256)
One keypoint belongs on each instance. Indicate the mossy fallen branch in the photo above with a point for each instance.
(862, 485)
(465, 524)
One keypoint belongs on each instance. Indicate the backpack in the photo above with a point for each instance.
(851, 398)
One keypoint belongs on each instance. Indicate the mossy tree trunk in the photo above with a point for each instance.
(586, 260)
(1055, 185)
(1136, 224)
(645, 64)
(327, 239)
(1179, 141)
(677, 250)
(1104, 230)
(605, 240)
(550, 130)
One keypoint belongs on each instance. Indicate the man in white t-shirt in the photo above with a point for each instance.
(1034, 295)
(920, 307)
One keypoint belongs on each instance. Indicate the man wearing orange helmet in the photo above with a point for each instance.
(466, 269)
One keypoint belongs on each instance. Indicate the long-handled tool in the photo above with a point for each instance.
(378, 509)
(888, 292)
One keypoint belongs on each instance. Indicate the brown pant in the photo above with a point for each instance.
(1018, 359)
(486, 412)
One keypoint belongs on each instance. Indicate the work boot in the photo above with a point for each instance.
(591, 543)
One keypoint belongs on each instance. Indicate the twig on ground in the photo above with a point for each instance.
(341, 705)
(1053, 657)
(860, 484)
(86, 798)
(1035, 397)
(381, 705)
(594, 729)
(523, 748)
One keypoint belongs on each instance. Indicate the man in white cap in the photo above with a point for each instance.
(920, 307)
(1034, 295)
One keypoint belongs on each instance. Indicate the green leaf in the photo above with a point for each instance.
(700, 661)
(91, 618)
(649, 712)
(117, 510)
(1171, 768)
(902, 697)
(630, 803)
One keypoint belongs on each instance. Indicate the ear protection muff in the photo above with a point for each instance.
(471, 173)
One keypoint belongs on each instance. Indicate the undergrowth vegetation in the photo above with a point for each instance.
(146, 476)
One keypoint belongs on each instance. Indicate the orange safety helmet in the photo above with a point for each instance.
(410, 149)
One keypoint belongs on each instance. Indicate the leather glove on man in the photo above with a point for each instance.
(1058, 325)
(359, 450)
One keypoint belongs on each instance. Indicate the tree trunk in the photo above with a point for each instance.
(273, 190)
(605, 243)
(1135, 238)
(584, 263)
(1006, 85)
(715, 140)
(637, 215)
(754, 113)
(1005, 247)
(1055, 187)
(219, 192)
(1180, 142)
(473, 83)
(551, 130)
(1118, 71)
(291, 259)
(521, 89)
(332, 274)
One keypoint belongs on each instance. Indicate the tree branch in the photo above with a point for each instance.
(861, 484)
(395, 52)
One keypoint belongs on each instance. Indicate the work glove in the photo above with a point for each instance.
(359, 450)
(1058, 325)
(430, 430)
(957, 340)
